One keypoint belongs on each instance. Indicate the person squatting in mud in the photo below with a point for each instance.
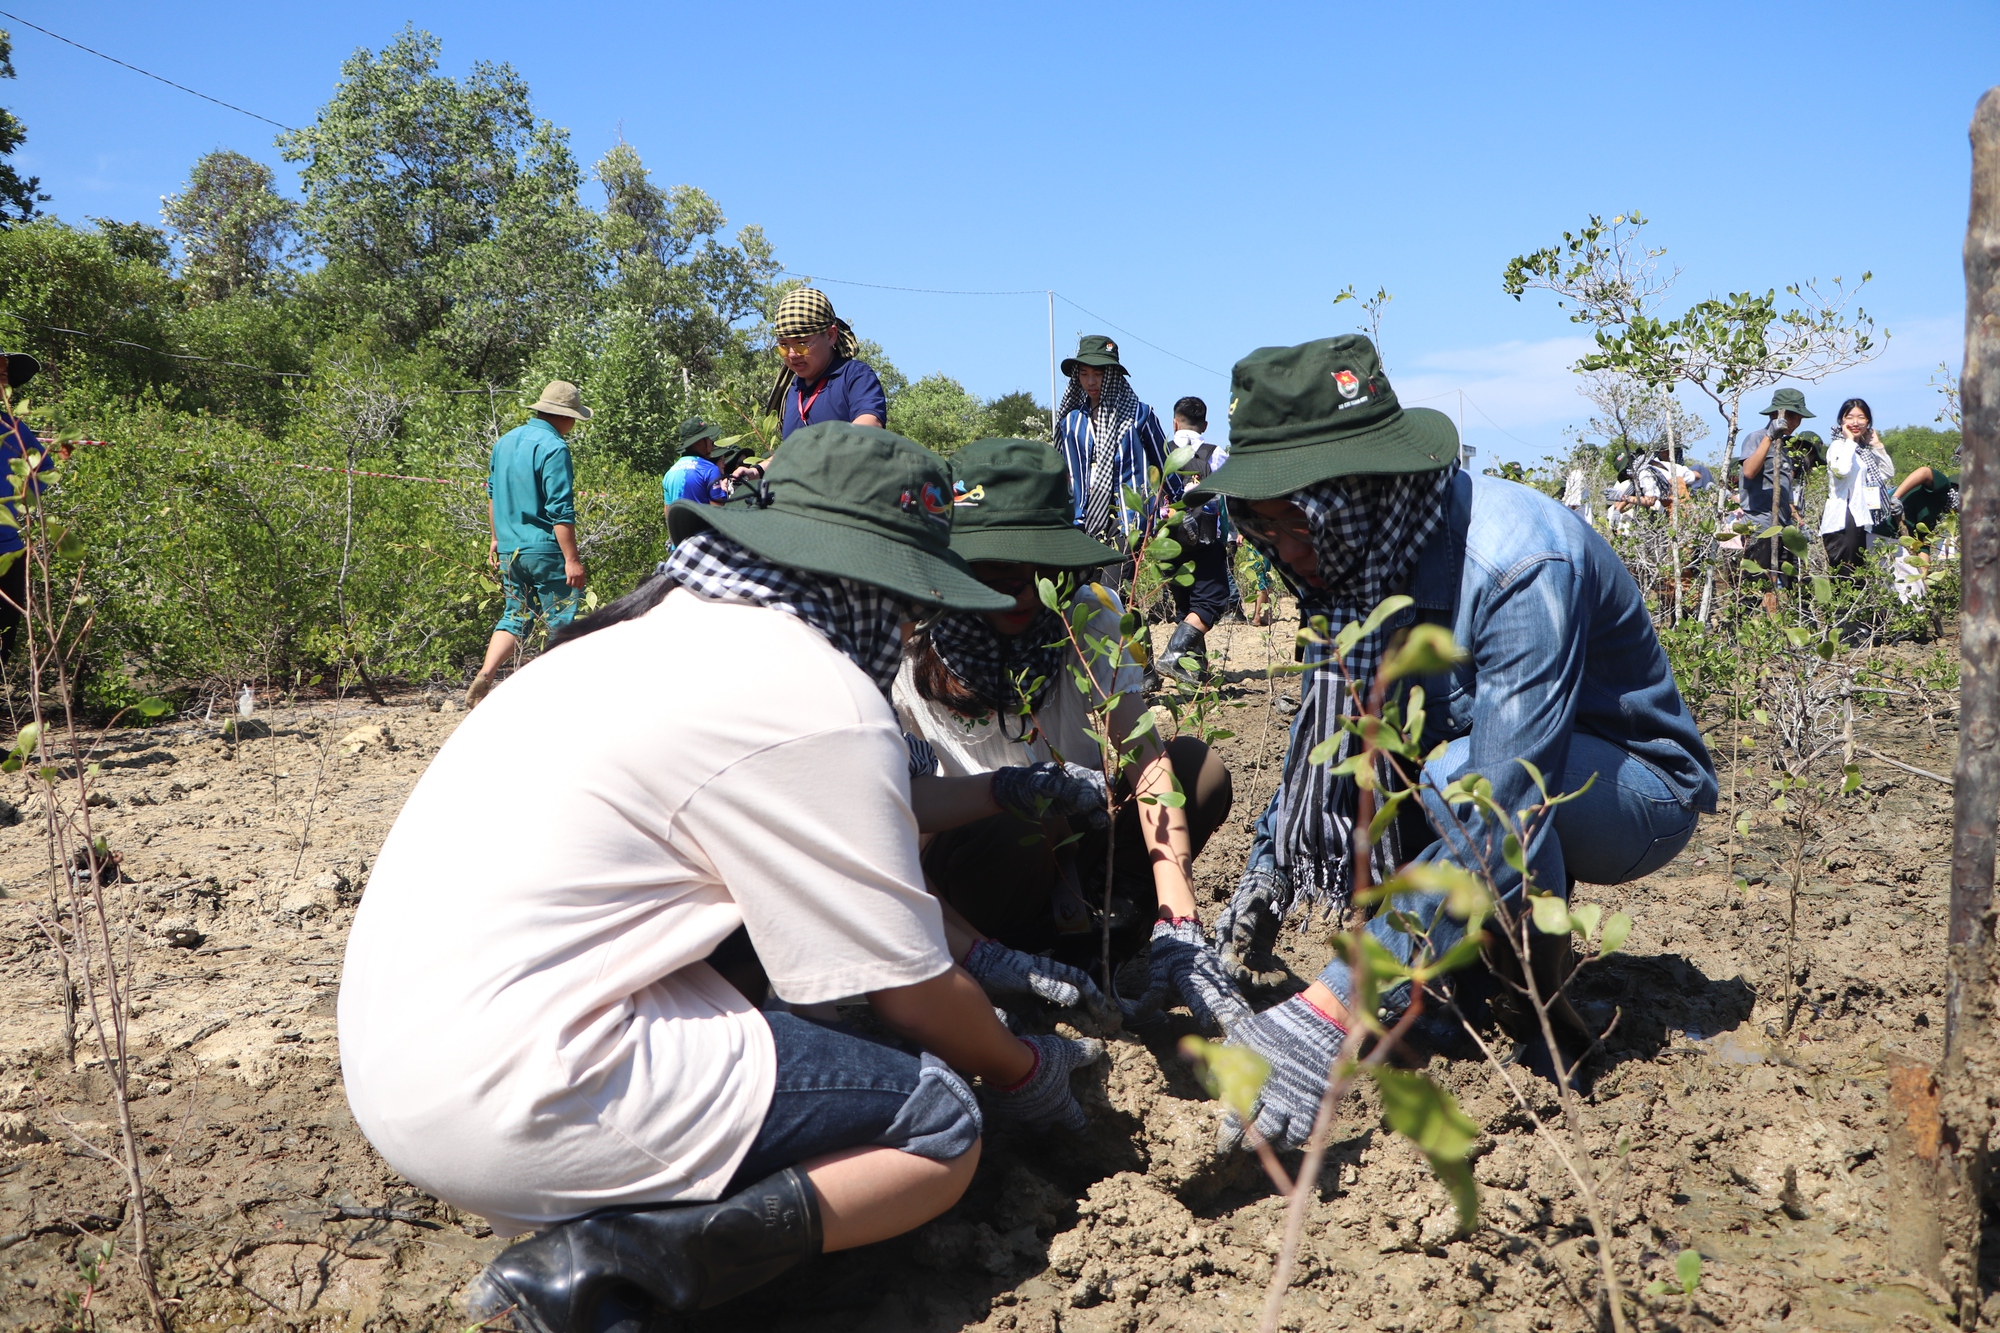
(528, 1027)
(1355, 498)
(994, 689)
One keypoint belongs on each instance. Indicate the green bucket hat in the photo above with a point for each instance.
(1787, 400)
(1095, 349)
(1011, 501)
(1299, 415)
(857, 503)
(694, 430)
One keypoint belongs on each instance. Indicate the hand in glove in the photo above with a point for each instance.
(1248, 927)
(1301, 1044)
(1009, 974)
(1043, 1099)
(1052, 789)
(1183, 969)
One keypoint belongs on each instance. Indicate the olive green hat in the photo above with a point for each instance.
(855, 502)
(1094, 349)
(1299, 415)
(694, 430)
(1011, 501)
(1787, 400)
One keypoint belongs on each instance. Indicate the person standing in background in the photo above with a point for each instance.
(17, 441)
(824, 379)
(1766, 484)
(1202, 603)
(1857, 470)
(695, 475)
(532, 485)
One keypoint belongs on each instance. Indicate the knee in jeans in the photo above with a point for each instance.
(940, 1120)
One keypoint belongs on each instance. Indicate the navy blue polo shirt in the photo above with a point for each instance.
(848, 390)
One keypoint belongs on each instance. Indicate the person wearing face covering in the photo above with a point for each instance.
(1355, 498)
(535, 1022)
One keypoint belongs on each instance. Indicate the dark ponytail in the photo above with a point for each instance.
(631, 606)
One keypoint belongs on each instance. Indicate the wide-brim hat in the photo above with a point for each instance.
(1300, 415)
(1787, 400)
(1011, 501)
(20, 368)
(854, 502)
(561, 399)
(695, 430)
(1095, 349)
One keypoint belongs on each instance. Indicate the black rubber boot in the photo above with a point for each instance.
(631, 1271)
(1187, 642)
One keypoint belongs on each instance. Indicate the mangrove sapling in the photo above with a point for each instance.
(90, 923)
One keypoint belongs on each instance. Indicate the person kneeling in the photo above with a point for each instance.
(529, 1029)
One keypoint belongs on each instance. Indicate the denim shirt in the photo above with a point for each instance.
(1559, 641)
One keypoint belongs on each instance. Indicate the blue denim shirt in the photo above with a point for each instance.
(1559, 641)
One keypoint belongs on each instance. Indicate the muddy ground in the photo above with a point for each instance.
(1760, 1149)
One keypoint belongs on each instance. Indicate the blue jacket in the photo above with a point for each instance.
(533, 486)
(1560, 641)
(1142, 446)
(17, 440)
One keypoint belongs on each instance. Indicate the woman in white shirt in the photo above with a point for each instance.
(1857, 468)
(529, 1026)
(989, 690)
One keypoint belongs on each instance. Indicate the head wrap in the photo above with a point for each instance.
(1115, 412)
(1367, 532)
(861, 620)
(1005, 674)
(804, 311)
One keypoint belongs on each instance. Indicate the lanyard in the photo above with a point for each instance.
(805, 403)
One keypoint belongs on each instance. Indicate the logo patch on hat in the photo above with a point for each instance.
(930, 501)
(965, 499)
(1111, 347)
(1347, 382)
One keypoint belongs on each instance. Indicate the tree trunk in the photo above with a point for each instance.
(1941, 1121)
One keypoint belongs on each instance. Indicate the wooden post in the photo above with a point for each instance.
(1941, 1121)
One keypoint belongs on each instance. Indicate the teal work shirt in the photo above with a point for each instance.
(533, 486)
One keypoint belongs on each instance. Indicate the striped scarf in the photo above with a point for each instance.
(1004, 673)
(1115, 412)
(1367, 532)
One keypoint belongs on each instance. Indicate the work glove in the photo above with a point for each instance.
(1182, 969)
(1248, 927)
(1300, 1043)
(1008, 974)
(1043, 1100)
(1052, 789)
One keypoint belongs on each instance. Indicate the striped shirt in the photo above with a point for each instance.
(1141, 446)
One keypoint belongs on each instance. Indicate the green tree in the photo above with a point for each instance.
(1015, 416)
(1913, 447)
(445, 210)
(18, 193)
(235, 230)
(939, 413)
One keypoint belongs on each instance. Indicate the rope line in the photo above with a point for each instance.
(1155, 346)
(148, 73)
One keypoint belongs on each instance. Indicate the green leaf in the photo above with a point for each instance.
(1467, 897)
(1535, 776)
(1551, 914)
(1172, 799)
(1178, 460)
(1852, 781)
(153, 707)
(1584, 920)
(1324, 751)
(1386, 813)
(1162, 549)
(1462, 954)
(1427, 650)
(1510, 851)
(1687, 1268)
(1616, 927)
(1047, 590)
(26, 739)
(1794, 540)
(1233, 1075)
(1822, 589)
(1427, 1116)
(1387, 607)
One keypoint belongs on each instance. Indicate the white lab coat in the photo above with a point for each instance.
(1848, 491)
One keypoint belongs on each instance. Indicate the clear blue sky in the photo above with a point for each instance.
(1208, 176)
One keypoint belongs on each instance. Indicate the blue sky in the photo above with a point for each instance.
(1206, 177)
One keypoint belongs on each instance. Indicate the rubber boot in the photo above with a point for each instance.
(631, 1271)
(1187, 642)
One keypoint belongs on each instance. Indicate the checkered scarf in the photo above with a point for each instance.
(1367, 533)
(860, 619)
(1876, 467)
(1005, 673)
(804, 311)
(1115, 412)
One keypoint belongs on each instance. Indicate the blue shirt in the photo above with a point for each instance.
(1141, 446)
(1560, 642)
(692, 478)
(533, 486)
(17, 440)
(1755, 492)
(849, 389)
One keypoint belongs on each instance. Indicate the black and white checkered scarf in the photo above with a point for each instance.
(1367, 533)
(860, 619)
(1115, 412)
(1005, 673)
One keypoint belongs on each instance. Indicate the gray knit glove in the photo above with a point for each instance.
(1008, 974)
(1182, 969)
(1043, 1100)
(1248, 927)
(1301, 1045)
(1050, 788)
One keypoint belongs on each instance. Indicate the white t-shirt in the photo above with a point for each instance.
(527, 1029)
(968, 745)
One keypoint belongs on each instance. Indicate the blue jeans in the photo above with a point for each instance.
(836, 1089)
(1629, 824)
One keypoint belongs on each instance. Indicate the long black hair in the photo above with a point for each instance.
(631, 606)
(1840, 417)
